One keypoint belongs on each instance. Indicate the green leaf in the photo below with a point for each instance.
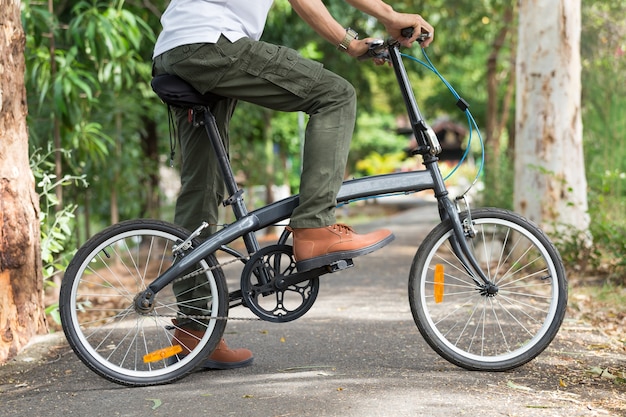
(156, 403)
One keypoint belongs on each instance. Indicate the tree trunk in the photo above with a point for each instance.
(150, 148)
(498, 109)
(21, 283)
(550, 182)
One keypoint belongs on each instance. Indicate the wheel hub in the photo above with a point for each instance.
(144, 303)
(489, 290)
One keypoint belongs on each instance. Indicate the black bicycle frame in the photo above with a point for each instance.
(429, 178)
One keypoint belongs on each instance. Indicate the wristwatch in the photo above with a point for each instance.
(351, 35)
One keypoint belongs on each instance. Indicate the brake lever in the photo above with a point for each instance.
(377, 49)
(408, 32)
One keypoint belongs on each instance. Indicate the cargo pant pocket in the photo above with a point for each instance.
(202, 65)
(283, 67)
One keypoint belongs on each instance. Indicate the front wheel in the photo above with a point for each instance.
(496, 328)
(129, 345)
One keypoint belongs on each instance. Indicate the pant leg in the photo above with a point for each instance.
(202, 184)
(279, 78)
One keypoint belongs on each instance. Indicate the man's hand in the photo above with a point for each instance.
(398, 21)
(359, 47)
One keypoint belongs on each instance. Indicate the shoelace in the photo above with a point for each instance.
(342, 228)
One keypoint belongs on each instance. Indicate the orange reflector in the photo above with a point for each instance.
(159, 355)
(438, 287)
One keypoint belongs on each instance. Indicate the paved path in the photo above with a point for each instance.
(356, 353)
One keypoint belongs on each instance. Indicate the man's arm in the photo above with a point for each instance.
(316, 15)
(394, 22)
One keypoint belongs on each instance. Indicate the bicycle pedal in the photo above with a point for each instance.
(340, 265)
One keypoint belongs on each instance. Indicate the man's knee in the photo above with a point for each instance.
(334, 92)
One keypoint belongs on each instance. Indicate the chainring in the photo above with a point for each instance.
(259, 288)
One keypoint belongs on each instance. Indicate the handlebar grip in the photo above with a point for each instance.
(408, 32)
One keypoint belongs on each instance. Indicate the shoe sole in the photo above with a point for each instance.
(329, 258)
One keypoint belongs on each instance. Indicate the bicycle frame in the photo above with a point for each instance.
(430, 178)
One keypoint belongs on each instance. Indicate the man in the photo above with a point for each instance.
(214, 46)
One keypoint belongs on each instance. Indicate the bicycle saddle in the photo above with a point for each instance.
(177, 92)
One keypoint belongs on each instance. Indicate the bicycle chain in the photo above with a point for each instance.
(212, 318)
(211, 268)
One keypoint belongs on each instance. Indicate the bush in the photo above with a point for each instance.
(56, 223)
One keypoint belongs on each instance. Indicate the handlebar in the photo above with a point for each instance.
(378, 48)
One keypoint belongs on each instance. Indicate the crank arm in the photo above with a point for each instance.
(284, 283)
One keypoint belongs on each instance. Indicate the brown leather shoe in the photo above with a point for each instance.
(322, 246)
(221, 358)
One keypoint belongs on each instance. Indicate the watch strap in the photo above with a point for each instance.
(351, 35)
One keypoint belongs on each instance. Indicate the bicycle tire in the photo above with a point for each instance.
(481, 331)
(107, 332)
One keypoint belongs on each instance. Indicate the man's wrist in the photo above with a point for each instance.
(351, 35)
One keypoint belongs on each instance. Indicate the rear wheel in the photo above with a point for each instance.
(134, 347)
(496, 328)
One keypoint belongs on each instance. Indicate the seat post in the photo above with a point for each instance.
(235, 194)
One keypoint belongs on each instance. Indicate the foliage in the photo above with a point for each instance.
(58, 244)
(502, 196)
(87, 79)
(377, 164)
(376, 148)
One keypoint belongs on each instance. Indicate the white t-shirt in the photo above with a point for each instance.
(203, 21)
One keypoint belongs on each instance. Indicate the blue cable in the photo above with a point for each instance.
(471, 122)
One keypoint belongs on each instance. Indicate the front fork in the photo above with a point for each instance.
(463, 231)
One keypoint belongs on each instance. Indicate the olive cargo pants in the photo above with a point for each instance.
(271, 76)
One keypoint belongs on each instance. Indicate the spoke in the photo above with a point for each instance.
(446, 293)
(466, 326)
(120, 259)
(448, 262)
(115, 318)
(174, 306)
(487, 256)
(453, 266)
(146, 350)
(117, 345)
(107, 284)
(504, 243)
(508, 255)
(478, 326)
(138, 276)
(453, 312)
(526, 277)
(524, 294)
(513, 302)
(497, 319)
(510, 314)
(86, 295)
(510, 272)
(115, 323)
